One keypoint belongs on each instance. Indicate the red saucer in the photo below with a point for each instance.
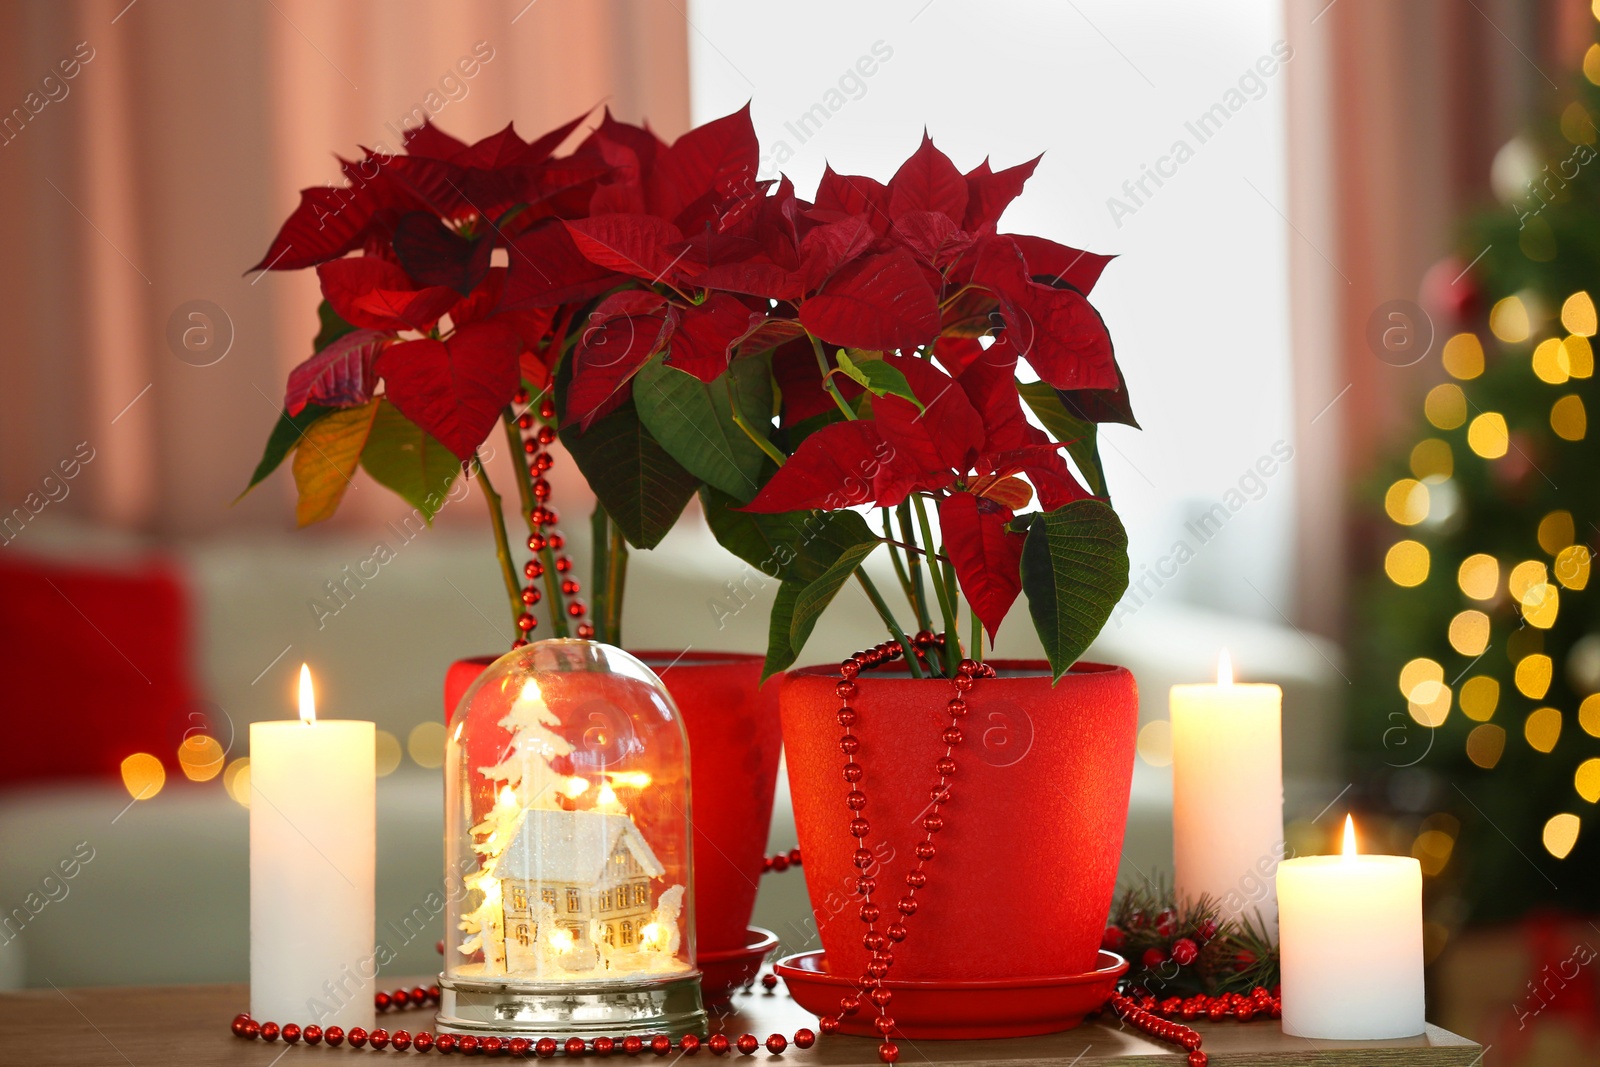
(723, 972)
(958, 1010)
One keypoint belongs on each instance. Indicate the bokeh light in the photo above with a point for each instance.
(1533, 676)
(1589, 715)
(1430, 703)
(1569, 419)
(1485, 744)
(1540, 606)
(1469, 632)
(201, 757)
(386, 752)
(1560, 834)
(1580, 356)
(1479, 576)
(1508, 320)
(143, 775)
(1577, 311)
(1432, 850)
(1407, 502)
(1488, 436)
(1542, 729)
(425, 743)
(1550, 362)
(1524, 576)
(1432, 461)
(1155, 743)
(1556, 531)
(1406, 563)
(236, 780)
(1572, 566)
(1445, 406)
(1586, 780)
(1463, 356)
(1480, 695)
(1417, 672)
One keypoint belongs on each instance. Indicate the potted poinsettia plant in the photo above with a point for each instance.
(460, 284)
(901, 330)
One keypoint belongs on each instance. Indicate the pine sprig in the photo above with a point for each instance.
(1179, 950)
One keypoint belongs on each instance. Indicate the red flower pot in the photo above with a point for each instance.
(734, 743)
(1022, 879)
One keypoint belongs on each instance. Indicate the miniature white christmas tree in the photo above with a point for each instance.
(531, 781)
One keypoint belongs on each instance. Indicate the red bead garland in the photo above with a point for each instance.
(519, 1047)
(880, 942)
(536, 441)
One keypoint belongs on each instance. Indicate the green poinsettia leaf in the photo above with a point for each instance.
(795, 546)
(780, 647)
(326, 459)
(406, 458)
(640, 485)
(1080, 435)
(877, 377)
(331, 327)
(285, 435)
(819, 593)
(694, 420)
(1074, 570)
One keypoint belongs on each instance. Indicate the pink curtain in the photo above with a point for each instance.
(135, 189)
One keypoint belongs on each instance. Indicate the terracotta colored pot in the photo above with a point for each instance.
(1026, 862)
(734, 743)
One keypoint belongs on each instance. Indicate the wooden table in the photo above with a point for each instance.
(187, 1026)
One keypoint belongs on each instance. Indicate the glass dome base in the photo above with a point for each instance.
(670, 1006)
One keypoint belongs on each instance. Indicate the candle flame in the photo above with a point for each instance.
(607, 801)
(530, 692)
(1349, 837)
(650, 935)
(308, 697)
(575, 787)
(507, 797)
(1224, 668)
(562, 940)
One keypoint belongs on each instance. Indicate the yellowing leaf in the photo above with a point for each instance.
(326, 458)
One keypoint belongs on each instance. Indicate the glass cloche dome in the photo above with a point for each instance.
(567, 851)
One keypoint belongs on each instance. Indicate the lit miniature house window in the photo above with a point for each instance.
(567, 784)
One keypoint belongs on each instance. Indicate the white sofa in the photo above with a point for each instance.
(164, 897)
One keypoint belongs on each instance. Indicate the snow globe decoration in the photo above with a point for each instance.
(567, 851)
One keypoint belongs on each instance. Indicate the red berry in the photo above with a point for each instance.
(1184, 951)
(1113, 938)
(1165, 922)
(1244, 961)
(1207, 930)
(1153, 958)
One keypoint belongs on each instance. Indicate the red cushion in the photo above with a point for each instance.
(94, 666)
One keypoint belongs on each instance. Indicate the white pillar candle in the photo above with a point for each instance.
(1227, 793)
(312, 842)
(1350, 945)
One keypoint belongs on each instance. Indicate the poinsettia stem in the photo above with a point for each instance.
(977, 634)
(827, 379)
(894, 557)
(615, 583)
(919, 597)
(889, 620)
(952, 643)
(502, 543)
(760, 442)
(600, 572)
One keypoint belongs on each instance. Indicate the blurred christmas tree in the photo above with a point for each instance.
(1477, 645)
